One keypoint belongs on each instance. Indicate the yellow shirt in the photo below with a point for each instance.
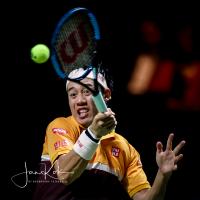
(114, 154)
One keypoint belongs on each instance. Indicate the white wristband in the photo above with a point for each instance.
(92, 134)
(85, 147)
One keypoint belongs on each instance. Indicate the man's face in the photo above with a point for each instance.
(81, 103)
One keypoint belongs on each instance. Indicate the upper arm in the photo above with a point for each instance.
(59, 139)
(140, 195)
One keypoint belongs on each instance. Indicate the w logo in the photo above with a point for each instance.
(75, 43)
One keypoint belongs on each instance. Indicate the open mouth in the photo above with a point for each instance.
(83, 112)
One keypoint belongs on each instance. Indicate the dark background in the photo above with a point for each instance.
(35, 95)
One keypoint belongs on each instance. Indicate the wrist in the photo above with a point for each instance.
(86, 146)
(92, 135)
(165, 176)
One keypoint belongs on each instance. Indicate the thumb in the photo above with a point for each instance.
(159, 147)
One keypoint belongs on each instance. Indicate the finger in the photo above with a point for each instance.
(175, 167)
(110, 119)
(178, 158)
(104, 116)
(109, 124)
(169, 142)
(159, 147)
(110, 128)
(179, 147)
(109, 112)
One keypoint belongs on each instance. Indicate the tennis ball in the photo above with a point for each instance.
(40, 53)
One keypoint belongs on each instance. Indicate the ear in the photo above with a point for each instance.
(107, 94)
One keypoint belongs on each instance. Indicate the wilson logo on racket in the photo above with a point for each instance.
(75, 43)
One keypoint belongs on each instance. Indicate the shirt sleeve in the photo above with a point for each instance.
(60, 138)
(135, 178)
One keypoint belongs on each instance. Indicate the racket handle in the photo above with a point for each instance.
(99, 102)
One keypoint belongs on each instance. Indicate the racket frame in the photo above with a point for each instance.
(97, 94)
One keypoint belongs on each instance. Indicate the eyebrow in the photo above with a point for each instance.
(71, 88)
(88, 84)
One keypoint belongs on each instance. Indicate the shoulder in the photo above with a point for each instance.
(64, 125)
(120, 138)
(116, 138)
(125, 143)
(62, 122)
(120, 145)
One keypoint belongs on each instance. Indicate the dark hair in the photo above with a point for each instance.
(106, 73)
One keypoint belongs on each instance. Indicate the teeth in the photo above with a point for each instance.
(83, 111)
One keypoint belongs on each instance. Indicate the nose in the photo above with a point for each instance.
(81, 99)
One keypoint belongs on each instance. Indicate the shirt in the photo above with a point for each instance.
(114, 155)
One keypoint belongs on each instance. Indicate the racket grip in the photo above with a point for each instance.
(99, 102)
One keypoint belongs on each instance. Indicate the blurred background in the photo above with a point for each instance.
(153, 54)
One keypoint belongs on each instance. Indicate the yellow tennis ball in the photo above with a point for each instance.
(40, 53)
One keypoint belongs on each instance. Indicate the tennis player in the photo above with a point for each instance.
(85, 159)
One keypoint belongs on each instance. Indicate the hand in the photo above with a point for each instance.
(103, 123)
(167, 160)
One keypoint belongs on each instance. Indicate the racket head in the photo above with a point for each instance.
(74, 42)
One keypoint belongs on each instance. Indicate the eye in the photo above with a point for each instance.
(86, 92)
(72, 94)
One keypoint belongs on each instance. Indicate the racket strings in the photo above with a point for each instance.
(75, 44)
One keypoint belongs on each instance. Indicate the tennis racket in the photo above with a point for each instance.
(74, 45)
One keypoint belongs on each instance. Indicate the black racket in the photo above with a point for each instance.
(74, 45)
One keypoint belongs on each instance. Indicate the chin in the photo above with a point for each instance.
(84, 122)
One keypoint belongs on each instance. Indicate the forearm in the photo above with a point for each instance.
(69, 167)
(167, 161)
(158, 190)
